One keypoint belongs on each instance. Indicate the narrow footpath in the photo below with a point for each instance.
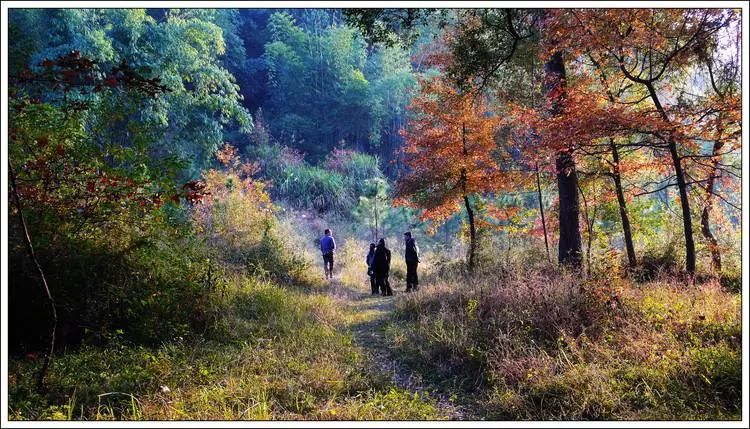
(367, 326)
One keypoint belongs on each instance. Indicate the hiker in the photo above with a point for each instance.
(328, 246)
(381, 266)
(370, 258)
(411, 255)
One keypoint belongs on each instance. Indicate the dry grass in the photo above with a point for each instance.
(543, 344)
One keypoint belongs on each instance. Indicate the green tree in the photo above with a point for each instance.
(374, 205)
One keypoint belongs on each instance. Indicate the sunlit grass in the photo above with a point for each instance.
(546, 345)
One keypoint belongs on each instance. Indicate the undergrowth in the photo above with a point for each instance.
(277, 353)
(543, 344)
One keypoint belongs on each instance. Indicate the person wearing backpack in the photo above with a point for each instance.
(327, 247)
(370, 259)
(381, 266)
(411, 255)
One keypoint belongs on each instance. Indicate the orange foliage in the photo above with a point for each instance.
(450, 150)
(612, 56)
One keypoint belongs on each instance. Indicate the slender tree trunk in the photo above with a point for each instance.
(687, 222)
(32, 255)
(376, 216)
(472, 232)
(617, 177)
(541, 210)
(569, 245)
(713, 244)
(621, 203)
(469, 211)
(589, 230)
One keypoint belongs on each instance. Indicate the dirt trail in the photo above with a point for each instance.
(368, 332)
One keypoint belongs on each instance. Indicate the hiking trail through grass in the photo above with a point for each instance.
(369, 316)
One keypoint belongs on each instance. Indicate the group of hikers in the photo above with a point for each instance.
(378, 263)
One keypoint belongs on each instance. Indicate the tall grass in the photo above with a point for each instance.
(259, 339)
(544, 344)
(276, 353)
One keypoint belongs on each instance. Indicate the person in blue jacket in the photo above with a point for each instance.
(327, 247)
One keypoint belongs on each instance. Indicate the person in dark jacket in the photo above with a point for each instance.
(411, 255)
(327, 247)
(381, 266)
(370, 258)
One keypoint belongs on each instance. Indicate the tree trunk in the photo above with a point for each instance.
(687, 222)
(569, 245)
(589, 230)
(541, 210)
(472, 233)
(32, 255)
(713, 244)
(376, 216)
(621, 203)
(469, 211)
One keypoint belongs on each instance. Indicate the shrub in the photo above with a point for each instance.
(545, 345)
(356, 167)
(658, 261)
(315, 188)
(150, 289)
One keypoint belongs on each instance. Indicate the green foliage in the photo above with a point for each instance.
(658, 261)
(324, 88)
(150, 288)
(334, 187)
(356, 167)
(306, 186)
(188, 123)
(274, 353)
(373, 206)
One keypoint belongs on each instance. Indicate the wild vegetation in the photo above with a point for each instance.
(171, 172)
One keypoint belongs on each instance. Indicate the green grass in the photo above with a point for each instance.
(508, 344)
(279, 353)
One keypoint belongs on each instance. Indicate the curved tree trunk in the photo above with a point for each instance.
(469, 211)
(43, 280)
(569, 245)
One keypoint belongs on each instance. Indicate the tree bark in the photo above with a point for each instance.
(32, 255)
(626, 231)
(569, 245)
(687, 222)
(541, 210)
(376, 215)
(469, 211)
(472, 232)
(713, 244)
(589, 230)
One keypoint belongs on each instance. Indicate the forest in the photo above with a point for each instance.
(573, 179)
